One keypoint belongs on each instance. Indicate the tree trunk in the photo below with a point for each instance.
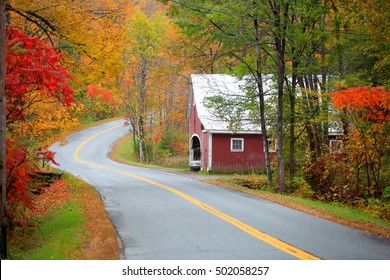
(324, 80)
(259, 80)
(280, 44)
(3, 144)
(292, 122)
(312, 109)
(279, 125)
(140, 140)
(141, 121)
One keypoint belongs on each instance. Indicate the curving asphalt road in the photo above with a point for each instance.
(163, 215)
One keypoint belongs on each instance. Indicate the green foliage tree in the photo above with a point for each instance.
(262, 37)
(304, 44)
(365, 33)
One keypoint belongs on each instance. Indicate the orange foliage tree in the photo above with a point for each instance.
(365, 112)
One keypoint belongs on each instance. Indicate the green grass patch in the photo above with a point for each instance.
(123, 151)
(341, 211)
(57, 236)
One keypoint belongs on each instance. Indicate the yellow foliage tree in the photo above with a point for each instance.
(45, 120)
(151, 83)
(88, 33)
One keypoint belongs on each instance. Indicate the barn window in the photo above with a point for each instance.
(271, 145)
(237, 144)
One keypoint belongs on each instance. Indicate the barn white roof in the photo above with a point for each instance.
(230, 88)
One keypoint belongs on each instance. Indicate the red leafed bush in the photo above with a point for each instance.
(157, 138)
(100, 104)
(179, 147)
(365, 112)
(105, 95)
(18, 169)
(32, 66)
(373, 103)
(21, 168)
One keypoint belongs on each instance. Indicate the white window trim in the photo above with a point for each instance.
(236, 150)
(271, 145)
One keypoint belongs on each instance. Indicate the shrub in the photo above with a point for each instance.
(301, 188)
(252, 181)
(373, 206)
(329, 176)
(386, 194)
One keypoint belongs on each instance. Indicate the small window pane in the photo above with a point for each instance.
(237, 145)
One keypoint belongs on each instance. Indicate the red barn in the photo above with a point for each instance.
(214, 144)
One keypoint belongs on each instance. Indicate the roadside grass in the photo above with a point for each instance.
(69, 223)
(123, 152)
(336, 212)
(57, 236)
(75, 226)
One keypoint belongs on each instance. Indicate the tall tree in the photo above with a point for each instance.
(261, 94)
(364, 33)
(231, 31)
(143, 83)
(280, 10)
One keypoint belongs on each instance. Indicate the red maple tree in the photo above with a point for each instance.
(31, 66)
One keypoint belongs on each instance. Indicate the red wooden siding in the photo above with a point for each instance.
(194, 125)
(252, 158)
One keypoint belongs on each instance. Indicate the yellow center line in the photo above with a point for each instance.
(287, 248)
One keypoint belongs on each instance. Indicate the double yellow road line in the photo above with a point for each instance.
(287, 248)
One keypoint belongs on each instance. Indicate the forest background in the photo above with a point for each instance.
(75, 62)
